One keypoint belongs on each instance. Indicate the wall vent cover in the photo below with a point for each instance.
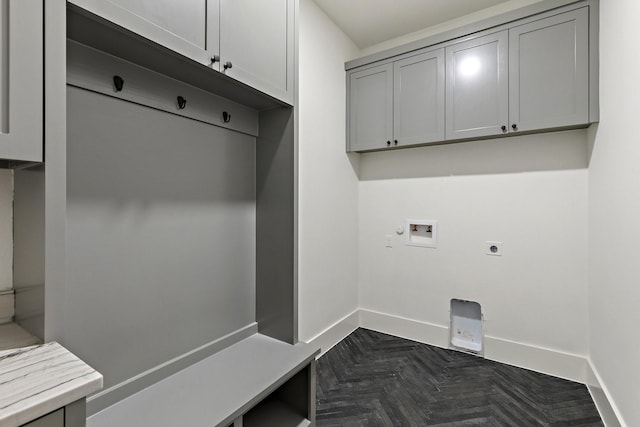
(466, 326)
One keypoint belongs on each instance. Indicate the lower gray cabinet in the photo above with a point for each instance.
(371, 108)
(54, 419)
(549, 72)
(418, 99)
(477, 87)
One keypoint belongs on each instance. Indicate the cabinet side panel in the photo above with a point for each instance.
(276, 231)
(29, 240)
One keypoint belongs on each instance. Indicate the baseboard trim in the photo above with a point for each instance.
(559, 364)
(118, 392)
(608, 410)
(331, 336)
(427, 333)
(551, 362)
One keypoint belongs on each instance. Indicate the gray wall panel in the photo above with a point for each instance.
(160, 234)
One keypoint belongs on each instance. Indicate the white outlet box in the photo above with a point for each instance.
(493, 248)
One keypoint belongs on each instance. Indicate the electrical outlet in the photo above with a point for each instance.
(493, 248)
(387, 241)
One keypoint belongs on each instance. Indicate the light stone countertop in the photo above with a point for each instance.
(39, 379)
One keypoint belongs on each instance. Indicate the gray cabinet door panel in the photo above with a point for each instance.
(54, 419)
(419, 98)
(189, 27)
(371, 108)
(257, 37)
(477, 96)
(549, 72)
(21, 75)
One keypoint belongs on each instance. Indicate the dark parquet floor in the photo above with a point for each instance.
(373, 379)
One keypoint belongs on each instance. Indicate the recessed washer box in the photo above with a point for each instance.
(421, 232)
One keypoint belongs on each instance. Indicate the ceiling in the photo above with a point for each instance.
(368, 22)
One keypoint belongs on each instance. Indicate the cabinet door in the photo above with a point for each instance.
(549, 72)
(54, 419)
(477, 87)
(189, 27)
(371, 108)
(418, 93)
(21, 89)
(257, 38)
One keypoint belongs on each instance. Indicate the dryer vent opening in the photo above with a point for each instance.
(466, 326)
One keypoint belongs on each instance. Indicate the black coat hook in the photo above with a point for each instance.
(182, 103)
(226, 117)
(118, 83)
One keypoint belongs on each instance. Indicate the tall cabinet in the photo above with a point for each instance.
(21, 81)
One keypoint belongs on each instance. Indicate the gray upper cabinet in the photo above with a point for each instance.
(477, 101)
(21, 76)
(530, 70)
(399, 103)
(187, 27)
(257, 39)
(418, 98)
(371, 108)
(549, 72)
(250, 41)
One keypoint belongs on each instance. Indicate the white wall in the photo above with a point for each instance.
(6, 230)
(515, 191)
(614, 209)
(328, 185)
(530, 193)
(448, 25)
